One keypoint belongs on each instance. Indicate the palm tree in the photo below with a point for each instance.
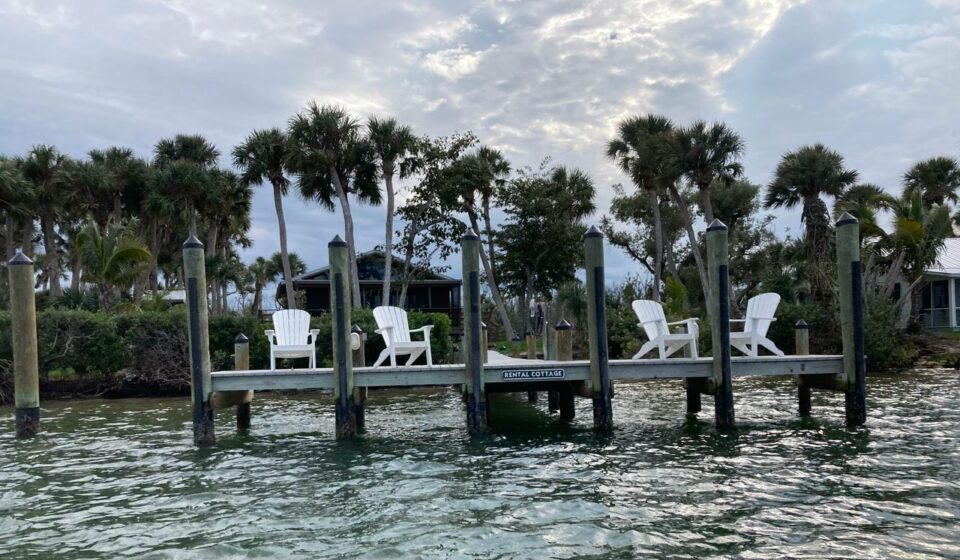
(184, 161)
(332, 161)
(125, 181)
(43, 168)
(863, 202)
(709, 153)
(394, 146)
(262, 157)
(262, 273)
(14, 192)
(112, 259)
(637, 150)
(937, 178)
(802, 177)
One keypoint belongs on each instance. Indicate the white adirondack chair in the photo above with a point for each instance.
(395, 330)
(655, 324)
(292, 337)
(760, 313)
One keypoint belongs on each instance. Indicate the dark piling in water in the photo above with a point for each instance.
(531, 355)
(565, 394)
(597, 332)
(801, 335)
(720, 323)
(346, 401)
(23, 327)
(194, 271)
(360, 360)
(850, 278)
(553, 395)
(473, 387)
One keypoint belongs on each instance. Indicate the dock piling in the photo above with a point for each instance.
(360, 360)
(23, 326)
(693, 388)
(531, 355)
(850, 282)
(343, 387)
(473, 359)
(550, 340)
(801, 335)
(195, 272)
(720, 323)
(565, 395)
(597, 331)
(241, 361)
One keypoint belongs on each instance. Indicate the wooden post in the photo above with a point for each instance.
(360, 360)
(241, 361)
(694, 388)
(473, 383)
(850, 282)
(801, 335)
(515, 346)
(550, 341)
(23, 338)
(720, 323)
(565, 354)
(343, 393)
(485, 342)
(531, 355)
(194, 270)
(597, 331)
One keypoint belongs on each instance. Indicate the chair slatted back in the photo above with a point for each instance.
(759, 308)
(292, 327)
(392, 317)
(651, 316)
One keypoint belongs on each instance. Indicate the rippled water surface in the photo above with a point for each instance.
(121, 479)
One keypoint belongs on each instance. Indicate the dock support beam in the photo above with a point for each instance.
(343, 388)
(802, 341)
(475, 394)
(568, 410)
(23, 326)
(851, 318)
(720, 323)
(597, 325)
(194, 270)
(241, 399)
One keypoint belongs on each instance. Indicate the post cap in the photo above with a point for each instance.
(516, 338)
(356, 329)
(801, 324)
(19, 258)
(717, 225)
(847, 218)
(593, 232)
(337, 241)
(192, 243)
(241, 339)
(563, 325)
(470, 235)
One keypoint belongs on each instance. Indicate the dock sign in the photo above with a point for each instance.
(523, 374)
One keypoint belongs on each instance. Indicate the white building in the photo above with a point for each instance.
(940, 299)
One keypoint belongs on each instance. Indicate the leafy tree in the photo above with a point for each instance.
(112, 259)
(43, 168)
(638, 151)
(185, 162)
(395, 147)
(938, 178)
(708, 154)
(802, 178)
(541, 238)
(14, 193)
(332, 160)
(262, 157)
(124, 182)
(864, 202)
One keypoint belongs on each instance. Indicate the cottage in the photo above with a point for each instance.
(940, 290)
(428, 291)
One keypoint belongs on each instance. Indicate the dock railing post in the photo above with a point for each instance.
(472, 335)
(850, 280)
(720, 323)
(531, 355)
(484, 342)
(564, 330)
(693, 388)
(515, 346)
(23, 338)
(343, 393)
(241, 361)
(801, 335)
(194, 269)
(597, 331)
(360, 360)
(550, 341)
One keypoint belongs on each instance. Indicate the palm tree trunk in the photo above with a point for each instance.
(494, 290)
(407, 263)
(26, 238)
(154, 241)
(11, 224)
(489, 233)
(53, 256)
(348, 232)
(658, 236)
(257, 298)
(706, 204)
(388, 242)
(671, 262)
(117, 210)
(193, 219)
(284, 254)
(75, 271)
(692, 239)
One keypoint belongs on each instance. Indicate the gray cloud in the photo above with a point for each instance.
(876, 80)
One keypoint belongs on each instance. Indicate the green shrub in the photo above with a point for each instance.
(885, 345)
(87, 343)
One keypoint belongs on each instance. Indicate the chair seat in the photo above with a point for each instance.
(292, 351)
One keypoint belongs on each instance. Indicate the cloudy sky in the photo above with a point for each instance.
(876, 80)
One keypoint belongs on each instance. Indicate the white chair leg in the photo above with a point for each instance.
(273, 361)
(693, 348)
(769, 345)
(663, 351)
(382, 357)
(414, 354)
(429, 355)
(393, 356)
(648, 346)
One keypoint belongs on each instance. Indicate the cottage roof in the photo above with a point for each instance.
(370, 268)
(948, 263)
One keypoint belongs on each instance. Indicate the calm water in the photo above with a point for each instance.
(121, 479)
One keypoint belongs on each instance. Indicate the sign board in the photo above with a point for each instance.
(527, 374)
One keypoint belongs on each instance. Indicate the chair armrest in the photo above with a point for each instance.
(270, 335)
(738, 320)
(694, 319)
(312, 337)
(380, 331)
(425, 330)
